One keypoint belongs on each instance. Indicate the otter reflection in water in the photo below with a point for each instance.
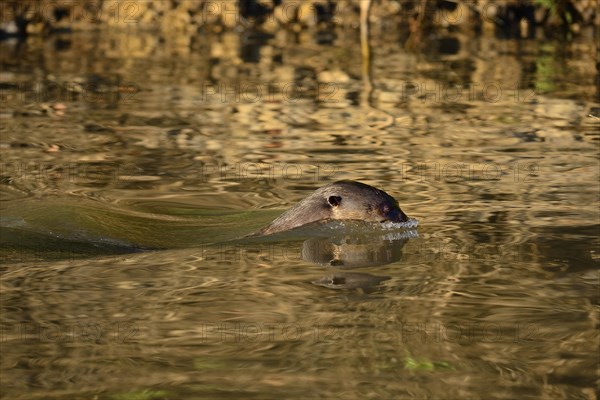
(342, 200)
(351, 246)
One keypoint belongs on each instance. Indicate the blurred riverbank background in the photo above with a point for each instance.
(514, 18)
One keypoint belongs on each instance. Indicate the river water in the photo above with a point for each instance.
(133, 164)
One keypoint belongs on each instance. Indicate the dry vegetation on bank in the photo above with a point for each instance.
(513, 18)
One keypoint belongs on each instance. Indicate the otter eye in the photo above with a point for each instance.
(385, 209)
(334, 201)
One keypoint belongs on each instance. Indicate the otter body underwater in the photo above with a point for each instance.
(341, 200)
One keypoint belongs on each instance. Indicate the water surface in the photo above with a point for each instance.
(130, 167)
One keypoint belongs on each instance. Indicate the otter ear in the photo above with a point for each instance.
(334, 201)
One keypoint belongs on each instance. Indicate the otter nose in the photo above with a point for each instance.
(396, 215)
(403, 217)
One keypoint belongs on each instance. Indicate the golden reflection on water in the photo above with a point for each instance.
(180, 154)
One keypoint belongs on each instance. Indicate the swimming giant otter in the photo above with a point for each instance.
(347, 200)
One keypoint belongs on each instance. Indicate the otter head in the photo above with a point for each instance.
(342, 200)
(355, 200)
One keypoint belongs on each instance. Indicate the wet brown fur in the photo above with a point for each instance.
(342, 200)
